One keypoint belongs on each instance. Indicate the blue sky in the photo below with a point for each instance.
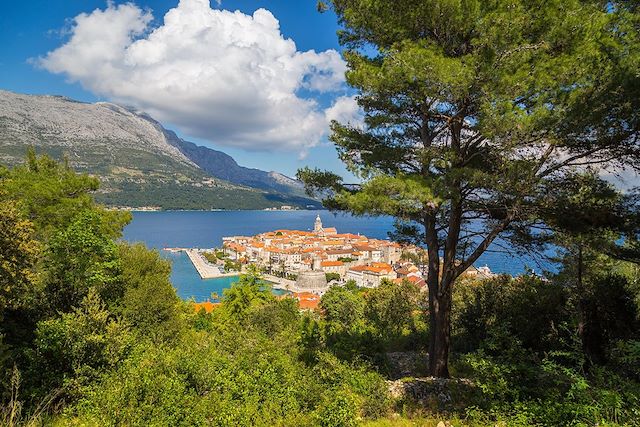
(45, 50)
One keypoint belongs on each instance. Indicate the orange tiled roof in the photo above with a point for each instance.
(331, 263)
(381, 265)
(308, 304)
(207, 306)
(377, 269)
(307, 300)
(348, 236)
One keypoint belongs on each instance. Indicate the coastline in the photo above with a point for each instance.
(220, 210)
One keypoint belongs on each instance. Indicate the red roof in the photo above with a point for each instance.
(331, 263)
(207, 306)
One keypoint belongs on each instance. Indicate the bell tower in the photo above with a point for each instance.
(317, 226)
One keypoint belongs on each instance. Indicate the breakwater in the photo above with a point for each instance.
(205, 269)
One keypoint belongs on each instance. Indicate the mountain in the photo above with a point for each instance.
(139, 162)
(223, 166)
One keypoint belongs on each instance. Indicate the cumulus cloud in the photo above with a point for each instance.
(345, 109)
(224, 76)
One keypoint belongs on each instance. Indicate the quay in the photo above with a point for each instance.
(205, 269)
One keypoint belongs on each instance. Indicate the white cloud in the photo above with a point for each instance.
(223, 76)
(345, 109)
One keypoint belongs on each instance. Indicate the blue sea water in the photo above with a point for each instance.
(205, 229)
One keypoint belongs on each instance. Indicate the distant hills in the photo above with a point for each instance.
(139, 162)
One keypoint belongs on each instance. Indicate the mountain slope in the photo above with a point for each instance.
(223, 166)
(138, 161)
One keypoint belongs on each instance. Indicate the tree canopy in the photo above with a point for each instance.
(476, 114)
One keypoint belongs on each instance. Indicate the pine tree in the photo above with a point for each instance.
(475, 112)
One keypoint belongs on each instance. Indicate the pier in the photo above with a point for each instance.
(205, 269)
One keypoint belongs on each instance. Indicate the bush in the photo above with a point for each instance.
(71, 351)
(150, 303)
(532, 310)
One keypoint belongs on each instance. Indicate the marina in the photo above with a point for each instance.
(205, 269)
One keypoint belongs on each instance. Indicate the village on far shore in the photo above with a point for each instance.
(307, 263)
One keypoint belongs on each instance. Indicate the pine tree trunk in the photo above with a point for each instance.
(440, 334)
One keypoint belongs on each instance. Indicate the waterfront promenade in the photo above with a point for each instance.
(205, 269)
(289, 285)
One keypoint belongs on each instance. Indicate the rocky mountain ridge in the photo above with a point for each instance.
(139, 162)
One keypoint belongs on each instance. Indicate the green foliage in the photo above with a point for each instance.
(342, 306)
(246, 373)
(481, 121)
(72, 350)
(106, 341)
(149, 303)
(528, 308)
(626, 357)
(332, 276)
(18, 256)
(51, 194)
(169, 195)
(249, 292)
(391, 308)
(276, 317)
(610, 314)
(232, 265)
(526, 359)
(221, 255)
(211, 257)
(79, 257)
(357, 323)
(545, 392)
(372, 393)
(341, 411)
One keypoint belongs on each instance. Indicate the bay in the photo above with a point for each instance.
(205, 229)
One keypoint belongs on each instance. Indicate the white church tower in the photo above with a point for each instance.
(317, 226)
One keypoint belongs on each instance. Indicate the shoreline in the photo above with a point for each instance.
(221, 210)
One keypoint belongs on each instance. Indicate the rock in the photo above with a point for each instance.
(406, 364)
(431, 392)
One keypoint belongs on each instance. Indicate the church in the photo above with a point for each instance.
(321, 231)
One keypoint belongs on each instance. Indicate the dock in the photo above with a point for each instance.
(205, 269)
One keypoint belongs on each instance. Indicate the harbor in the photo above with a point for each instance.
(205, 269)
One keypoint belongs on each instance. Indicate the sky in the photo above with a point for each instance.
(258, 79)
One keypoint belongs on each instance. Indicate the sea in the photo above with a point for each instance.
(205, 229)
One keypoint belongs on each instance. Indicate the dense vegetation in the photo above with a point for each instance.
(175, 196)
(92, 333)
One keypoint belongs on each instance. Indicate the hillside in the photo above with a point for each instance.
(223, 166)
(138, 161)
